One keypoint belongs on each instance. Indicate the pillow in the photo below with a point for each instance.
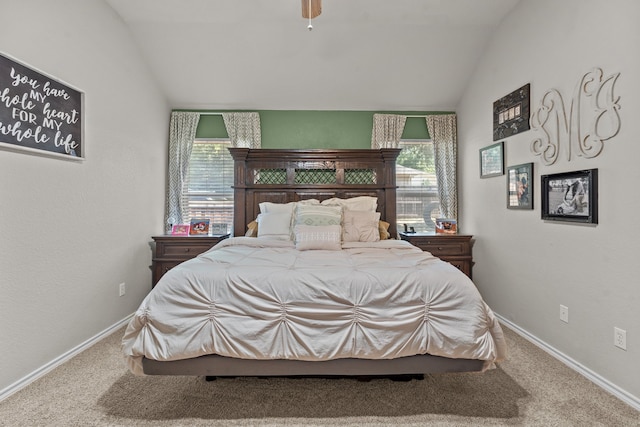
(270, 207)
(252, 229)
(309, 237)
(360, 203)
(383, 227)
(275, 225)
(360, 226)
(318, 215)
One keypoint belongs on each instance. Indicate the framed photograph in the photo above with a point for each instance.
(180, 230)
(520, 186)
(199, 227)
(571, 196)
(492, 160)
(446, 226)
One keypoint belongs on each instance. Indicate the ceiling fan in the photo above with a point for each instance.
(311, 8)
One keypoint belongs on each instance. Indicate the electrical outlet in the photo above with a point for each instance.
(620, 338)
(122, 289)
(564, 313)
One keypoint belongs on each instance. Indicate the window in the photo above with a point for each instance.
(417, 195)
(207, 192)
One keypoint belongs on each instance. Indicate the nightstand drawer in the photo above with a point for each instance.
(443, 248)
(185, 250)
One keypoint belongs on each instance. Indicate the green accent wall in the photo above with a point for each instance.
(316, 129)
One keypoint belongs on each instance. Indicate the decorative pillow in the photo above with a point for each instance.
(274, 225)
(318, 215)
(252, 229)
(383, 227)
(359, 203)
(325, 237)
(360, 226)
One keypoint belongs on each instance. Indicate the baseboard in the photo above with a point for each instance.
(603, 383)
(38, 373)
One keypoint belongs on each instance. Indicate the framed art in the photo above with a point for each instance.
(199, 227)
(446, 226)
(180, 230)
(218, 229)
(570, 196)
(492, 160)
(520, 186)
(39, 114)
(511, 113)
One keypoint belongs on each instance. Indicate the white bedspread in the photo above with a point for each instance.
(263, 299)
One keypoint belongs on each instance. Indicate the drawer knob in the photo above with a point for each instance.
(187, 249)
(439, 248)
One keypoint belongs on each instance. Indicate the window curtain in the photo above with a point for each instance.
(443, 132)
(243, 129)
(182, 133)
(387, 130)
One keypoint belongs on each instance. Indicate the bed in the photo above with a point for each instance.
(318, 285)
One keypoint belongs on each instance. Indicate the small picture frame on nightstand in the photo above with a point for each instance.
(199, 227)
(218, 229)
(446, 226)
(180, 230)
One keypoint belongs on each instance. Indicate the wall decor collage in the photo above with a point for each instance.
(570, 196)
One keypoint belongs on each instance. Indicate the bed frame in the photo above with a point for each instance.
(283, 176)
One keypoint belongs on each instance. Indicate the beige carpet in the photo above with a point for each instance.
(530, 389)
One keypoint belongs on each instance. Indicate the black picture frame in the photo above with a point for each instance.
(570, 196)
(511, 113)
(520, 186)
(492, 160)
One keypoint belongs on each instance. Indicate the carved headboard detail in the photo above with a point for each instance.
(282, 176)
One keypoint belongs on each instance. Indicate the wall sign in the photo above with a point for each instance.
(511, 113)
(38, 113)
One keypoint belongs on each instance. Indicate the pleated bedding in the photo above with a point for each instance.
(255, 298)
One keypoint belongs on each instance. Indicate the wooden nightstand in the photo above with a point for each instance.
(453, 248)
(172, 250)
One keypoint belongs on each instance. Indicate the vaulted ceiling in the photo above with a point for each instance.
(361, 54)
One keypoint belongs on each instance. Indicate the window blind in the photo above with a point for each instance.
(417, 202)
(207, 191)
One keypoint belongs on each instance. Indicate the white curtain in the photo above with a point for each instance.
(443, 132)
(243, 129)
(387, 130)
(182, 132)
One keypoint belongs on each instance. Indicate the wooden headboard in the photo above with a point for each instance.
(282, 176)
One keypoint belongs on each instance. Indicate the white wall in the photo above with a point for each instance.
(526, 267)
(70, 232)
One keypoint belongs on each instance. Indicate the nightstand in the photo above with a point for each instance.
(172, 250)
(453, 248)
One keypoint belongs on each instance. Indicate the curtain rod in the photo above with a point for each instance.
(416, 116)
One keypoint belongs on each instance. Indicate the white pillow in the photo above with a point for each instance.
(276, 225)
(270, 207)
(310, 237)
(360, 203)
(360, 226)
